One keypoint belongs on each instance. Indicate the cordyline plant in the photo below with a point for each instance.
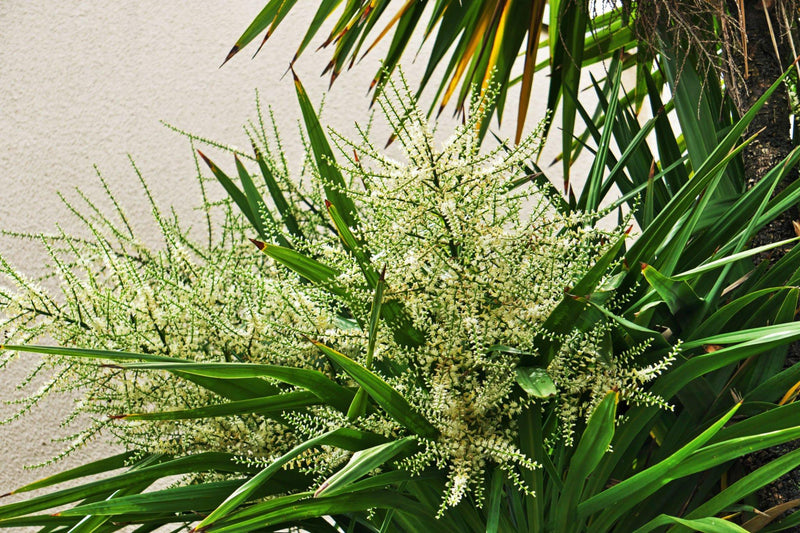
(442, 343)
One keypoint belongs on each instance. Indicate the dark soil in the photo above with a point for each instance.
(772, 123)
(772, 145)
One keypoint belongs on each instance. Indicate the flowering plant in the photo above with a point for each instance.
(438, 343)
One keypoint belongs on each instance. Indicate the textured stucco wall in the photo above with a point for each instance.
(88, 82)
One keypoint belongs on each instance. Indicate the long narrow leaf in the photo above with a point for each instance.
(593, 445)
(259, 24)
(629, 492)
(311, 380)
(359, 405)
(96, 467)
(244, 492)
(333, 182)
(270, 404)
(310, 269)
(209, 461)
(747, 485)
(361, 463)
(201, 497)
(704, 525)
(239, 390)
(389, 399)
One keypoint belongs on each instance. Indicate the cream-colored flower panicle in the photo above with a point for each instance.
(476, 256)
(479, 257)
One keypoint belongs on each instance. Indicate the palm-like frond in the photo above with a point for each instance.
(485, 39)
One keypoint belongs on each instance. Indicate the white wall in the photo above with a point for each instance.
(88, 82)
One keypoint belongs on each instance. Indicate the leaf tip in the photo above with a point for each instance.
(267, 36)
(206, 159)
(260, 245)
(312, 341)
(233, 52)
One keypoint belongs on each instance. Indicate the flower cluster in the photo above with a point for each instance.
(476, 255)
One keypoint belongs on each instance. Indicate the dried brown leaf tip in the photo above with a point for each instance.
(264, 41)
(309, 339)
(208, 162)
(710, 348)
(260, 245)
(796, 226)
(232, 53)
